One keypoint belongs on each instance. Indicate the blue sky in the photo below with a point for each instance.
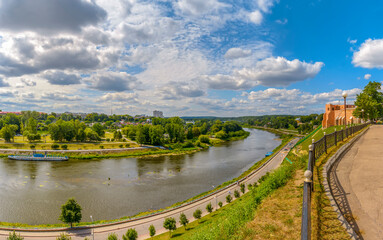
(186, 57)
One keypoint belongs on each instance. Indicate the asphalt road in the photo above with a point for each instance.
(360, 176)
(142, 225)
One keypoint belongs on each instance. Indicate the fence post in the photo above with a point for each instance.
(335, 138)
(311, 162)
(306, 208)
(341, 129)
(325, 142)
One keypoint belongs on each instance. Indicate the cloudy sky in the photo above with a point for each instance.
(186, 57)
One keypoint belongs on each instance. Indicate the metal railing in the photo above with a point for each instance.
(317, 149)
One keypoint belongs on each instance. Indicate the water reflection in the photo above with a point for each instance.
(32, 192)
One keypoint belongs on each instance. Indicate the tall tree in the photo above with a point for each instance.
(369, 102)
(71, 212)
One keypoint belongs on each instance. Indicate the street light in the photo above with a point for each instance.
(91, 218)
(344, 94)
(362, 115)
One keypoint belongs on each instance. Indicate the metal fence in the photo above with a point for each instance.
(317, 149)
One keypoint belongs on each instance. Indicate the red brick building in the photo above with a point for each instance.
(334, 115)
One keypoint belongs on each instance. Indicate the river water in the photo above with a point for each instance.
(32, 192)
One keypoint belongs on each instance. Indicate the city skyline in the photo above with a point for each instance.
(186, 57)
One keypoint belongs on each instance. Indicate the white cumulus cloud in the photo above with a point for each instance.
(369, 54)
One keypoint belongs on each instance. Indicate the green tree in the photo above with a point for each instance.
(197, 214)
(236, 194)
(170, 224)
(209, 208)
(99, 129)
(70, 212)
(184, 220)
(8, 132)
(112, 236)
(117, 135)
(229, 198)
(63, 236)
(156, 135)
(140, 135)
(131, 234)
(14, 236)
(369, 102)
(242, 188)
(152, 230)
(220, 204)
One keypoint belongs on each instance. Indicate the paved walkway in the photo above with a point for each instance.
(360, 175)
(142, 225)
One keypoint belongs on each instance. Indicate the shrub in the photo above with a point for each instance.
(242, 188)
(209, 208)
(220, 204)
(236, 194)
(228, 198)
(55, 146)
(63, 236)
(131, 234)
(170, 224)
(124, 140)
(14, 236)
(101, 147)
(152, 230)
(197, 214)
(127, 145)
(64, 147)
(108, 139)
(112, 236)
(249, 186)
(221, 135)
(204, 139)
(188, 144)
(32, 147)
(183, 220)
(120, 146)
(112, 140)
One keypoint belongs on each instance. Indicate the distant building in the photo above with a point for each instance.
(334, 115)
(158, 114)
(5, 113)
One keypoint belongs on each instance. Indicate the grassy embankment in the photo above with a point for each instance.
(278, 216)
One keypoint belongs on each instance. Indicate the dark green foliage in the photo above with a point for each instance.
(370, 100)
(170, 224)
(229, 198)
(32, 147)
(55, 146)
(101, 147)
(64, 147)
(209, 208)
(183, 220)
(236, 194)
(204, 139)
(152, 230)
(14, 236)
(220, 204)
(99, 129)
(197, 214)
(70, 212)
(8, 132)
(242, 188)
(249, 186)
(121, 146)
(131, 234)
(112, 236)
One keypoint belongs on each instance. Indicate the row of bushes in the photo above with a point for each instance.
(65, 147)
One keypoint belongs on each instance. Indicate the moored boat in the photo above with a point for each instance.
(38, 157)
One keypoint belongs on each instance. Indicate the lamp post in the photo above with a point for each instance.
(344, 94)
(362, 115)
(91, 218)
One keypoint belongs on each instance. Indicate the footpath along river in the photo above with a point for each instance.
(32, 192)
